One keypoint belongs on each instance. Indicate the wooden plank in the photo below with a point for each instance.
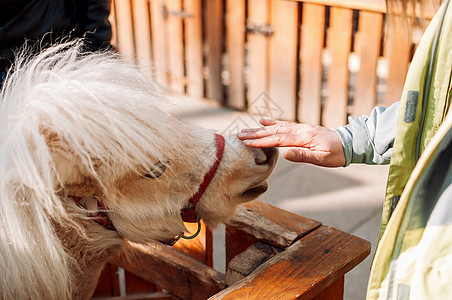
(112, 20)
(271, 224)
(283, 66)
(303, 270)
(124, 30)
(334, 291)
(171, 270)
(367, 5)
(108, 284)
(246, 262)
(237, 241)
(257, 44)
(142, 29)
(193, 47)
(159, 41)
(214, 44)
(137, 285)
(397, 50)
(141, 296)
(199, 248)
(339, 43)
(311, 44)
(427, 9)
(174, 45)
(235, 49)
(368, 40)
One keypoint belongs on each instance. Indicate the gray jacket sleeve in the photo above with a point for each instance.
(370, 139)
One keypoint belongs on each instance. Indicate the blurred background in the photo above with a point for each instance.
(313, 61)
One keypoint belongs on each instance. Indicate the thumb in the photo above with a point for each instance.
(300, 155)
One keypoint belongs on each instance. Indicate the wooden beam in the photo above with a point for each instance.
(304, 270)
(124, 30)
(159, 50)
(171, 270)
(249, 260)
(368, 47)
(193, 47)
(283, 66)
(271, 224)
(428, 9)
(397, 51)
(142, 29)
(339, 42)
(175, 49)
(235, 48)
(257, 58)
(311, 40)
(214, 43)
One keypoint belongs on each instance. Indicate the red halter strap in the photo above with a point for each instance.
(188, 214)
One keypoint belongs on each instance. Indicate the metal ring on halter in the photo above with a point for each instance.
(194, 235)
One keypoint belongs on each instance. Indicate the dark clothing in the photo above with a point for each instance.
(42, 22)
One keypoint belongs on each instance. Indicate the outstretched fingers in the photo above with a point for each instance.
(270, 128)
(274, 140)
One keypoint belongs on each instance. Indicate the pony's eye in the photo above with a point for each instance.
(157, 169)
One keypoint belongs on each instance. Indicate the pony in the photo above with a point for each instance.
(90, 160)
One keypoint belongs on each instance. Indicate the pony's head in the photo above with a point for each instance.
(90, 127)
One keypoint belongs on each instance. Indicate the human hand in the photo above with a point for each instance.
(302, 142)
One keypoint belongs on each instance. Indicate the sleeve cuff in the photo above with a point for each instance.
(347, 142)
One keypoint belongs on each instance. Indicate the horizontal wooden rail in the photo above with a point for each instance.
(304, 270)
(427, 11)
(271, 254)
(173, 271)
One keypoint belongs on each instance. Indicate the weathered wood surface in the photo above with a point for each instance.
(367, 46)
(339, 42)
(235, 48)
(303, 270)
(246, 262)
(214, 48)
(173, 271)
(300, 259)
(257, 47)
(270, 224)
(193, 47)
(283, 57)
(210, 49)
(311, 44)
(175, 48)
(427, 10)
(398, 53)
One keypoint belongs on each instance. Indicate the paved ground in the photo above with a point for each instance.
(349, 199)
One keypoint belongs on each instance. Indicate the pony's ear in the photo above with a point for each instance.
(66, 166)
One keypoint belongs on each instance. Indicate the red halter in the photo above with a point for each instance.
(188, 213)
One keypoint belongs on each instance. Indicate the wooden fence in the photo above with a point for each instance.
(314, 61)
(270, 254)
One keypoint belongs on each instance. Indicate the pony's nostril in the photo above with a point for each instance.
(268, 158)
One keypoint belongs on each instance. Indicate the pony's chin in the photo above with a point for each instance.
(255, 191)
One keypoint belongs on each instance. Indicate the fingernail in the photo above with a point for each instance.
(240, 135)
(290, 155)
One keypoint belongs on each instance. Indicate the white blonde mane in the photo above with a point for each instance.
(79, 99)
